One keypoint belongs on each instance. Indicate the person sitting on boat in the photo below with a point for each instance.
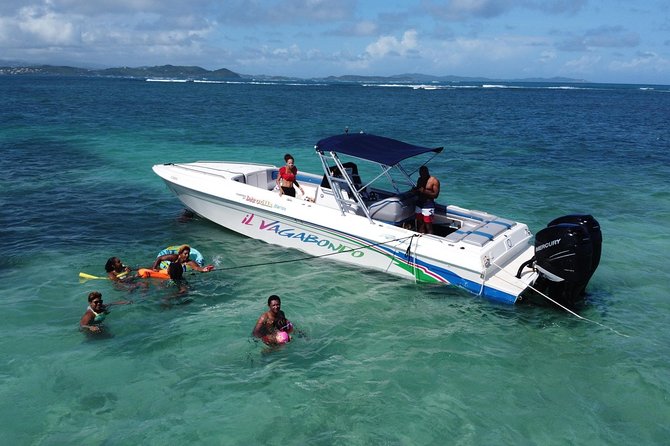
(272, 326)
(182, 258)
(287, 177)
(427, 189)
(96, 312)
(116, 270)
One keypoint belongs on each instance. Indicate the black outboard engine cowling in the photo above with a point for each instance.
(593, 228)
(566, 257)
(564, 250)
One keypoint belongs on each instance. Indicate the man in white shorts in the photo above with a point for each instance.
(428, 189)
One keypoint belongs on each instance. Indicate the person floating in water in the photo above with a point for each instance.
(182, 257)
(120, 274)
(272, 326)
(96, 312)
(116, 270)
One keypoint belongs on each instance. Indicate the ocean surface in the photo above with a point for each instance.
(382, 361)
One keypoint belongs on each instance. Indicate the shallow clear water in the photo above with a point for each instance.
(383, 361)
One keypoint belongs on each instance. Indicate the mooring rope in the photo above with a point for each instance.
(558, 303)
(408, 254)
(310, 257)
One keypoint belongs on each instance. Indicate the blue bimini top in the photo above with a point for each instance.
(374, 148)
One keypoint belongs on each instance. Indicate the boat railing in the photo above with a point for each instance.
(325, 196)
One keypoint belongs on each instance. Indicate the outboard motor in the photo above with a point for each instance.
(593, 228)
(567, 253)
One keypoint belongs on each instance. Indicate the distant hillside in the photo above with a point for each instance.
(198, 73)
(164, 71)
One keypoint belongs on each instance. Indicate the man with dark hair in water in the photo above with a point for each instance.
(176, 273)
(272, 327)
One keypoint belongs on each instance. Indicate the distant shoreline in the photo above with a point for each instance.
(192, 72)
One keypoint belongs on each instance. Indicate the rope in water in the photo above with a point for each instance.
(408, 254)
(310, 257)
(559, 304)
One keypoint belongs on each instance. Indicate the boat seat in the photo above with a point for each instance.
(479, 233)
(262, 179)
(394, 209)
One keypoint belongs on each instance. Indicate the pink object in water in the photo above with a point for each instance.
(282, 337)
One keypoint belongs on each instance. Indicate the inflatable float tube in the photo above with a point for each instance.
(146, 273)
(195, 256)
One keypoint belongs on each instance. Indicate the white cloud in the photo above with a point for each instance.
(45, 27)
(547, 56)
(611, 37)
(583, 65)
(391, 45)
(642, 61)
(321, 37)
(459, 10)
(279, 12)
(364, 28)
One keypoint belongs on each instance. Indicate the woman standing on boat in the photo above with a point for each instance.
(287, 177)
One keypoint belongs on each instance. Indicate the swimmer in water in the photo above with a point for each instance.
(176, 273)
(120, 275)
(272, 326)
(182, 257)
(116, 270)
(96, 312)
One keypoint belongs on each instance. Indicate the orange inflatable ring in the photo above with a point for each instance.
(147, 272)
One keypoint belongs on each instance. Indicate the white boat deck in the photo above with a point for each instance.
(454, 223)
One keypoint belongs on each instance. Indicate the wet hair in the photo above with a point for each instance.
(175, 271)
(93, 295)
(109, 266)
(274, 297)
(183, 248)
(281, 323)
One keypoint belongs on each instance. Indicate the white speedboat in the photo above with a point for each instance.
(344, 217)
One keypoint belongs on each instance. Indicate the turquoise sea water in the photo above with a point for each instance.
(384, 361)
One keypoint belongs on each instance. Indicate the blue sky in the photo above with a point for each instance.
(597, 40)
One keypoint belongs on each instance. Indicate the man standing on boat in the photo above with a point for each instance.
(427, 188)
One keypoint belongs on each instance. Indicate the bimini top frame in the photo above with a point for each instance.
(386, 152)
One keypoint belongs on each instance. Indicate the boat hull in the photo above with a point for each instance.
(329, 233)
